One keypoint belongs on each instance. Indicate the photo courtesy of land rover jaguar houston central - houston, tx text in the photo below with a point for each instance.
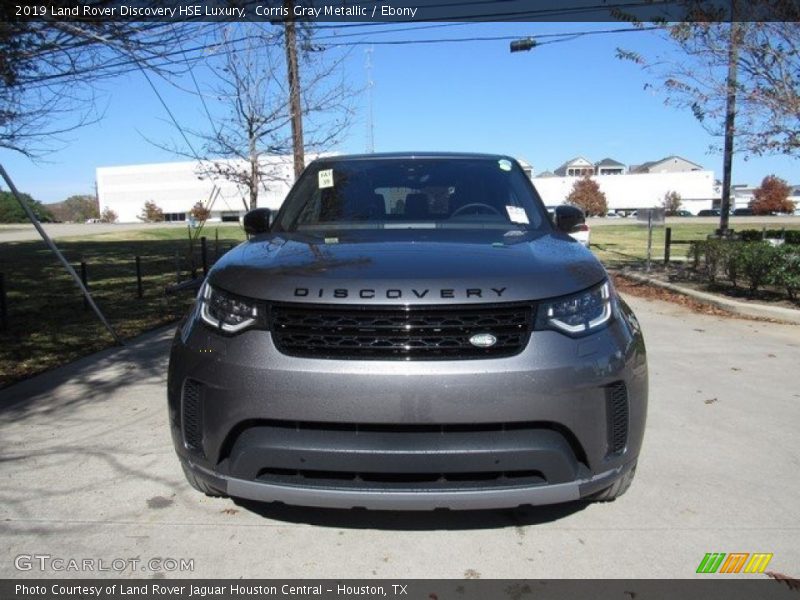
(409, 331)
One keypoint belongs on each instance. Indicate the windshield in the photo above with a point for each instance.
(412, 193)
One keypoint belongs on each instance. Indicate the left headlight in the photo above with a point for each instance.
(579, 313)
(228, 312)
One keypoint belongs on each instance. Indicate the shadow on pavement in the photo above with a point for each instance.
(90, 379)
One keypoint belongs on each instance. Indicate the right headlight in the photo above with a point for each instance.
(578, 314)
(228, 312)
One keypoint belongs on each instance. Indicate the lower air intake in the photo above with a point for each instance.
(192, 415)
(617, 411)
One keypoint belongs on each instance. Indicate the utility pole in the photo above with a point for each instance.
(294, 88)
(730, 117)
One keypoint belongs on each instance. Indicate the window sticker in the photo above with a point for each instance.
(504, 164)
(331, 240)
(325, 179)
(517, 214)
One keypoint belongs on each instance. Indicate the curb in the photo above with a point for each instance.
(760, 311)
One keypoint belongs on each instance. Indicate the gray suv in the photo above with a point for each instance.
(409, 331)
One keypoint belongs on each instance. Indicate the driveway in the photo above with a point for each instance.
(88, 471)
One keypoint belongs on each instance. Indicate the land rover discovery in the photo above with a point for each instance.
(409, 331)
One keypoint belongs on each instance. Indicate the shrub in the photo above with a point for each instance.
(696, 250)
(790, 236)
(108, 216)
(151, 213)
(713, 256)
(756, 262)
(200, 212)
(786, 270)
(731, 262)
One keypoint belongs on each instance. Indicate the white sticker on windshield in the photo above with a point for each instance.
(504, 164)
(325, 179)
(517, 214)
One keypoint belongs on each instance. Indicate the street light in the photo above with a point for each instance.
(523, 45)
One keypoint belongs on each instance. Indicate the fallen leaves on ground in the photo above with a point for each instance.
(652, 292)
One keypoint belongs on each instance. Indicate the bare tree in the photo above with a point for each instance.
(767, 85)
(49, 70)
(247, 105)
(672, 203)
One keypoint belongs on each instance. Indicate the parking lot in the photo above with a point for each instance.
(88, 471)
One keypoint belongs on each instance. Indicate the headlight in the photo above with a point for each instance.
(227, 312)
(578, 314)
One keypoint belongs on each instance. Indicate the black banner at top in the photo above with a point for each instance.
(408, 11)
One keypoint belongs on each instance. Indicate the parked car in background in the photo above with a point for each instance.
(613, 215)
(743, 212)
(682, 213)
(709, 212)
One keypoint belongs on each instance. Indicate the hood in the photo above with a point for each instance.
(408, 267)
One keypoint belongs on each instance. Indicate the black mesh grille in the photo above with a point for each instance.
(409, 333)
(192, 415)
(401, 481)
(617, 410)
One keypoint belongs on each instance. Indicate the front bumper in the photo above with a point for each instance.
(477, 499)
(556, 392)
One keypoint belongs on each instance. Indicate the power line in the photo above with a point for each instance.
(557, 38)
(513, 15)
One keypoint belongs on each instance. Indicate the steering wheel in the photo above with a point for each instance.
(489, 207)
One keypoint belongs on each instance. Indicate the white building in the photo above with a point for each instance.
(643, 186)
(175, 187)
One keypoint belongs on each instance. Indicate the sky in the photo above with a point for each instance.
(545, 106)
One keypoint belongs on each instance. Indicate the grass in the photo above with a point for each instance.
(48, 324)
(618, 245)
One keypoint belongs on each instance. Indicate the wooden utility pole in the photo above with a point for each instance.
(294, 89)
(730, 118)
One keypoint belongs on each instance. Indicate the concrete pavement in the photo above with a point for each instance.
(87, 471)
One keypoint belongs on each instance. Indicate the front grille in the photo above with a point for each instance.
(400, 332)
(617, 411)
(192, 417)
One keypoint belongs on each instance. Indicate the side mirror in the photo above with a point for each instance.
(257, 221)
(568, 217)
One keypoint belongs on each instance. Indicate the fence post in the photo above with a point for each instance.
(85, 280)
(204, 255)
(177, 268)
(216, 244)
(139, 290)
(667, 242)
(3, 304)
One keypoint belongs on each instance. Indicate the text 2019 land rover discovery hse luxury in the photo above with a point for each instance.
(410, 331)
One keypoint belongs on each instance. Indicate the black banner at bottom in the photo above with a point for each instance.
(410, 589)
